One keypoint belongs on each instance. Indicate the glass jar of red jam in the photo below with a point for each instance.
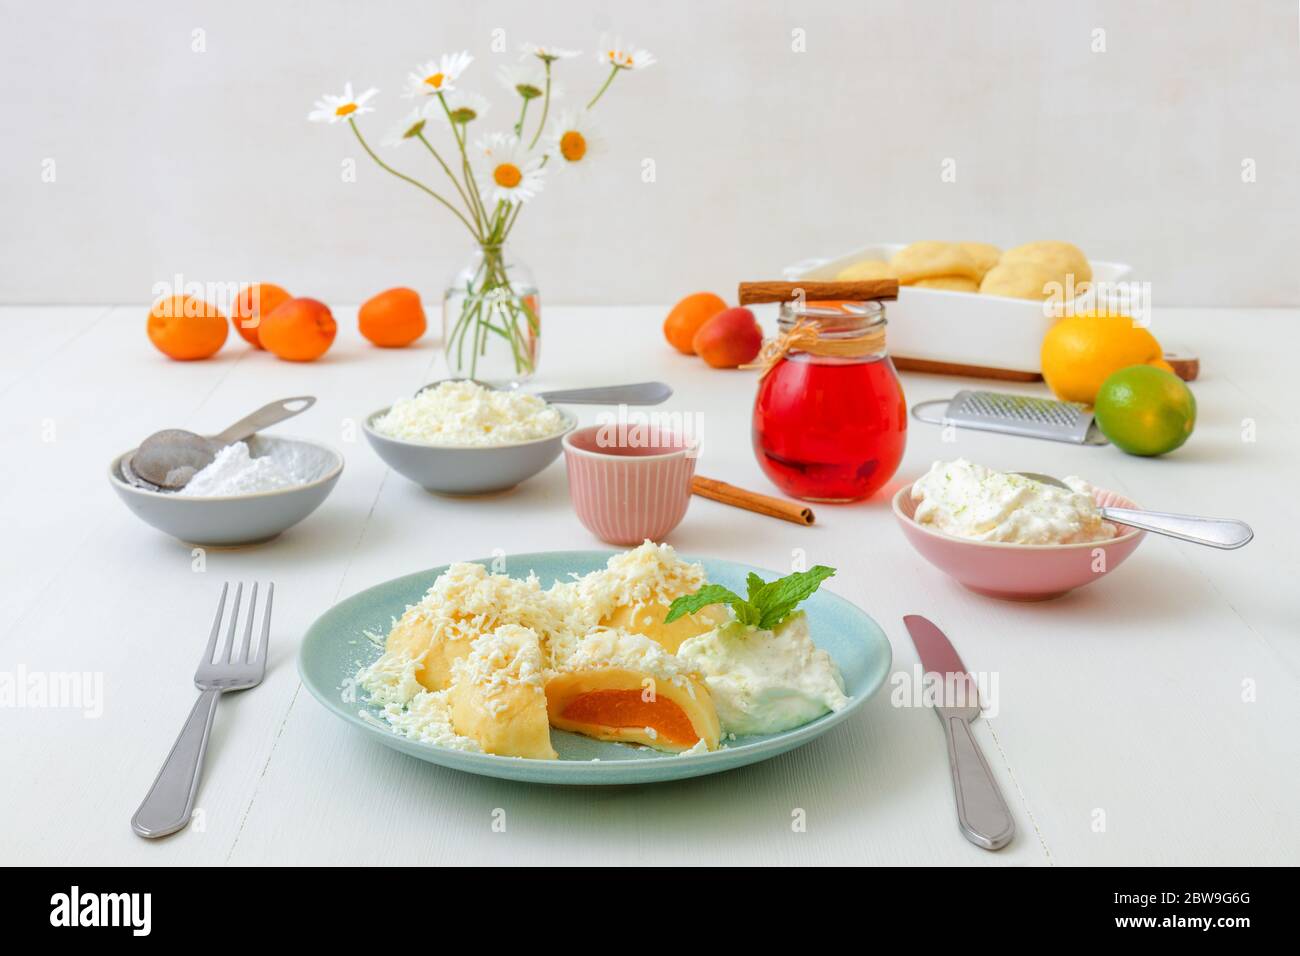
(832, 427)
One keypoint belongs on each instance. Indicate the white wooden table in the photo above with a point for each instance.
(1150, 718)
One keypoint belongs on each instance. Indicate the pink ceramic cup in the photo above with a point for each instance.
(629, 483)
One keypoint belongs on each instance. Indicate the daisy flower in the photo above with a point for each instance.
(335, 109)
(411, 125)
(527, 80)
(437, 76)
(547, 54)
(573, 140)
(614, 53)
(512, 176)
(464, 108)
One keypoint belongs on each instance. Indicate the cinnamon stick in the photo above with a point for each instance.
(751, 500)
(861, 290)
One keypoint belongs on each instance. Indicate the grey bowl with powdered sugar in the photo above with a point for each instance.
(250, 517)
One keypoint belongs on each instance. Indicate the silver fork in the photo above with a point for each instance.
(167, 806)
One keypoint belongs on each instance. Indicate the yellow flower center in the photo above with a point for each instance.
(507, 175)
(345, 109)
(435, 80)
(573, 145)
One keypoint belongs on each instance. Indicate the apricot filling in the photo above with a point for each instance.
(626, 708)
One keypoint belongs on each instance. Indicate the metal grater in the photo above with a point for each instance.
(1023, 415)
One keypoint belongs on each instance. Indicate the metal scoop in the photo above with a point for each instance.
(1225, 533)
(167, 460)
(639, 393)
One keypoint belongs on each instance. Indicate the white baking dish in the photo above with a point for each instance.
(960, 328)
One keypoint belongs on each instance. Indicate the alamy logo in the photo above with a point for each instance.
(102, 909)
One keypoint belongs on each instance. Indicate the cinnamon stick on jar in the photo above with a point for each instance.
(859, 290)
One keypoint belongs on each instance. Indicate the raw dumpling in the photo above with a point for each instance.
(948, 284)
(1019, 280)
(986, 256)
(866, 269)
(1060, 258)
(926, 260)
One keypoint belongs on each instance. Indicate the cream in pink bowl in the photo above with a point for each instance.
(1018, 572)
(628, 484)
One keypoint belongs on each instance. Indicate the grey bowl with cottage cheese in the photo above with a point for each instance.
(467, 469)
(238, 519)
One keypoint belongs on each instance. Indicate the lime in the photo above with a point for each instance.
(1145, 410)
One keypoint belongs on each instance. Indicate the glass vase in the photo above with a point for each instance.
(491, 319)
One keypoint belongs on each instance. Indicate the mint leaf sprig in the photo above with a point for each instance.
(768, 602)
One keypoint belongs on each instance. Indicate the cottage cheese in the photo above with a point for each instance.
(970, 501)
(465, 414)
(764, 682)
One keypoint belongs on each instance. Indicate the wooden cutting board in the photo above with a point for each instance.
(1186, 367)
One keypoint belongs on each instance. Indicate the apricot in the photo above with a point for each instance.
(300, 330)
(729, 339)
(185, 328)
(686, 318)
(253, 302)
(629, 708)
(392, 319)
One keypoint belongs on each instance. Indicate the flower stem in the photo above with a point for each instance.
(454, 181)
(480, 213)
(519, 123)
(601, 92)
(546, 106)
(414, 182)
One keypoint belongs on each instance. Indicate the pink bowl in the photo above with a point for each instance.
(1017, 572)
(629, 486)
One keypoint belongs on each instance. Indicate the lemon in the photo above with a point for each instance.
(1145, 410)
(1080, 351)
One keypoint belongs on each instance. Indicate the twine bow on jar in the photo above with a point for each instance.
(806, 336)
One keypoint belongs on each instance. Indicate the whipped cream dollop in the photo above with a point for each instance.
(971, 501)
(764, 682)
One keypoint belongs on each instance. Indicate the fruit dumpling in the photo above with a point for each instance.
(497, 696)
(624, 687)
(465, 602)
(636, 588)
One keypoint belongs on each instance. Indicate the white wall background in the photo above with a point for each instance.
(173, 161)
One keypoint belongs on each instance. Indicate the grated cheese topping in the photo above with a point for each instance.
(648, 574)
(465, 414)
(427, 718)
(614, 647)
(467, 601)
(510, 656)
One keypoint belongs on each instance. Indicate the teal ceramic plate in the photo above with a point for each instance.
(336, 647)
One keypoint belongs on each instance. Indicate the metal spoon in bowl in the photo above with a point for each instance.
(640, 393)
(1225, 533)
(167, 460)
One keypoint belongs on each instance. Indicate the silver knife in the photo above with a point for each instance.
(981, 811)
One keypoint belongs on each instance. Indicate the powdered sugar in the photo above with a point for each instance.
(236, 472)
